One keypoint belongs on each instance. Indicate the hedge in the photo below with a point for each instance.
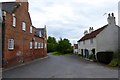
(105, 57)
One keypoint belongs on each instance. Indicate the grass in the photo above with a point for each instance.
(60, 54)
(114, 62)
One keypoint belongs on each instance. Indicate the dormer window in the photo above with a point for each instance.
(40, 35)
(14, 20)
(23, 26)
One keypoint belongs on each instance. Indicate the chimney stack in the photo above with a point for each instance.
(91, 29)
(24, 3)
(85, 32)
(111, 19)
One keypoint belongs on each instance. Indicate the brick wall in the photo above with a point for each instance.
(21, 38)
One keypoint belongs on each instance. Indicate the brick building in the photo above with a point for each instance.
(22, 42)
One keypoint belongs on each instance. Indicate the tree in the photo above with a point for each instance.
(64, 46)
(52, 44)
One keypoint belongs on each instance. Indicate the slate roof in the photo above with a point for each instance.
(92, 34)
(9, 6)
(37, 30)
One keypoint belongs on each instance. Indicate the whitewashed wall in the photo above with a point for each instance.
(107, 40)
(75, 51)
(87, 45)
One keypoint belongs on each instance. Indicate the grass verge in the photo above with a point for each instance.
(114, 63)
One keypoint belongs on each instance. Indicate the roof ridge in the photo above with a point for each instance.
(92, 34)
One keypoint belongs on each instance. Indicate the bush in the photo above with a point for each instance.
(92, 57)
(104, 57)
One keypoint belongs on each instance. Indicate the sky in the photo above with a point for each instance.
(70, 18)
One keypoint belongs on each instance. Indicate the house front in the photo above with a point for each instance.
(102, 39)
(19, 38)
(75, 49)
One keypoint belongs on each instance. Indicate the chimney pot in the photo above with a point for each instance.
(109, 15)
(113, 14)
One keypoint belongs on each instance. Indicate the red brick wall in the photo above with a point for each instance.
(22, 38)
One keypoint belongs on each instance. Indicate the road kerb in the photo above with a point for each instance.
(3, 70)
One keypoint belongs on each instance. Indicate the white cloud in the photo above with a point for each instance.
(69, 18)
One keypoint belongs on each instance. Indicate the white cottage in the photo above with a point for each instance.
(75, 49)
(102, 39)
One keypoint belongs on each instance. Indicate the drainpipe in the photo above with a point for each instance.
(1, 49)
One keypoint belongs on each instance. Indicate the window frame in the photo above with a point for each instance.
(91, 41)
(14, 21)
(45, 45)
(31, 29)
(11, 45)
(40, 34)
(35, 45)
(39, 45)
(84, 42)
(30, 45)
(24, 26)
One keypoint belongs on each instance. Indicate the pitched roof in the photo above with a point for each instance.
(37, 30)
(92, 34)
(9, 6)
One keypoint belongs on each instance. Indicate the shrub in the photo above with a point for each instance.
(92, 57)
(104, 57)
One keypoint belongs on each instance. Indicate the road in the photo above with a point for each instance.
(62, 67)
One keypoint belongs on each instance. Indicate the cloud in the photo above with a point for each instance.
(69, 18)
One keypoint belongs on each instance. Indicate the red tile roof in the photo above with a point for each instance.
(92, 34)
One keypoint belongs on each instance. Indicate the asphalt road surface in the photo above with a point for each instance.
(62, 67)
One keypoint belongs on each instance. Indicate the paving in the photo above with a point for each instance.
(62, 67)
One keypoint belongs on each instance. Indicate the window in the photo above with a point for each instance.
(14, 21)
(10, 44)
(45, 45)
(39, 45)
(30, 45)
(40, 35)
(83, 42)
(23, 26)
(91, 41)
(30, 29)
(35, 46)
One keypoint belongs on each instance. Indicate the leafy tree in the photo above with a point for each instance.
(64, 46)
(51, 44)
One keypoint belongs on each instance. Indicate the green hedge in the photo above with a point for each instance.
(105, 57)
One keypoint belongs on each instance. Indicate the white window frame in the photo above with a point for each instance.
(30, 45)
(40, 34)
(10, 44)
(91, 41)
(24, 26)
(45, 45)
(14, 21)
(35, 46)
(30, 29)
(39, 45)
(84, 42)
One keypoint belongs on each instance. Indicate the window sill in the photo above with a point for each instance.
(10, 49)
